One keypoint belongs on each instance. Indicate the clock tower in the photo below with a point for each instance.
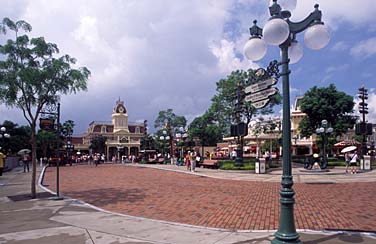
(120, 117)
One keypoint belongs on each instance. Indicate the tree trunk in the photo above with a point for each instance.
(34, 162)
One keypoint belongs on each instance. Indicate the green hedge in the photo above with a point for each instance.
(229, 165)
(336, 163)
(248, 164)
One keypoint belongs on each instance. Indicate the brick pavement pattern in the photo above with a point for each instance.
(218, 203)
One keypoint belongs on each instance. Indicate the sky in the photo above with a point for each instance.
(160, 54)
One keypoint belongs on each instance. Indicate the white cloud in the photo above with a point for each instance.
(371, 106)
(165, 54)
(340, 46)
(365, 48)
(336, 68)
(227, 61)
(335, 12)
(139, 51)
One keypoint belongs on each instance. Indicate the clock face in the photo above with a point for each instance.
(121, 109)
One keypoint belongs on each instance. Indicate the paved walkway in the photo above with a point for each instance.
(43, 220)
(332, 175)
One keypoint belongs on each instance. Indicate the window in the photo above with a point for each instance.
(137, 129)
(104, 129)
(124, 140)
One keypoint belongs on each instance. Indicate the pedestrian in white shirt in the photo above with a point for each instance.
(353, 162)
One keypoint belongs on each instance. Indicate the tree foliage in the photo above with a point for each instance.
(206, 130)
(31, 77)
(47, 141)
(321, 103)
(19, 137)
(67, 128)
(223, 102)
(169, 120)
(98, 144)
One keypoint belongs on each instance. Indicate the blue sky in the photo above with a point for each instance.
(164, 54)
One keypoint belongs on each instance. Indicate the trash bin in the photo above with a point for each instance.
(260, 166)
(365, 163)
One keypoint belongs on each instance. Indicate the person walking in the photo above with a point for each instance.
(26, 160)
(188, 161)
(353, 162)
(96, 159)
(2, 158)
(196, 162)
(347, 161)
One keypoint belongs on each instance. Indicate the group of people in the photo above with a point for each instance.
(191, 160)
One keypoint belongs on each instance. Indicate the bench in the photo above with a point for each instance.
(210, 163)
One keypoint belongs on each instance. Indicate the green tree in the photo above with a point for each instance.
(19, 137)
(98, 144)
(31, 77)
(223, 102)
(169, 120)
(321, 103)
(204, 128)
(67, 128)
(47, 141)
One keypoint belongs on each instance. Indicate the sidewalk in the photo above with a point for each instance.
(300, 175)
(43, 220)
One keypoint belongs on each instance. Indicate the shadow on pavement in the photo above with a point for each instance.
(337, 238)
(27, 196)
(107, 196)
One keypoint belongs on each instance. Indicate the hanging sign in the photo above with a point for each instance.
(261, 85)
(261, 95)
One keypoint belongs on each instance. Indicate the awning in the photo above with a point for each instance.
(347, 143)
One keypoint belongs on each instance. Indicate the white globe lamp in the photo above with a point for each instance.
(276, 31)
(295, 52)
(317, 36)
(255, 49)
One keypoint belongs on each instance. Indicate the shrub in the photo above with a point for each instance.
(229, 165)
(336, 163)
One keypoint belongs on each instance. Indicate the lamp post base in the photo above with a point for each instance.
(283, 239)
(57, 198)
(239, 158)
(238, 162)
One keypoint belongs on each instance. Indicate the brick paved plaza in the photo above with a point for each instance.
(219, 203)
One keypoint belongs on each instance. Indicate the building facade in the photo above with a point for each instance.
(122, 138)
(260, 132)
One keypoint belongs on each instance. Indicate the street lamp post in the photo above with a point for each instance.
(119, 149)
(182, 135)
(324, 130)
(3, 135)
(49, 114)
(280, 31)
(164, 138)
(295, 138)
(69, 147)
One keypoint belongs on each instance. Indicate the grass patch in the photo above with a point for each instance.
(336, 163)
(229, 165)
(248, 164)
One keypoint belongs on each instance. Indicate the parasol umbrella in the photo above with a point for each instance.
(348, 149)
(24, 151)
(347, 143)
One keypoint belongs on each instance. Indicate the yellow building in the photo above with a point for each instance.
(123, 138)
